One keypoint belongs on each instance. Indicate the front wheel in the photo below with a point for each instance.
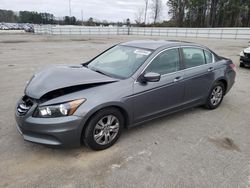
(242, 64)
(103, 129)
(215, 96)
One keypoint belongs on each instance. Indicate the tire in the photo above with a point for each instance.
(215, 97)
(101, 130)
(242, 65)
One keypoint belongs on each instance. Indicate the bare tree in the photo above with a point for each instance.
(139, 16)
(146, 10)
(156, 9)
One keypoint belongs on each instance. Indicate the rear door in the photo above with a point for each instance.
(198, 73)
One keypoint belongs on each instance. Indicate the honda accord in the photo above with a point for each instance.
(126, 85)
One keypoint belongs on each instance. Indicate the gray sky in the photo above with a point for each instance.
(111, 10)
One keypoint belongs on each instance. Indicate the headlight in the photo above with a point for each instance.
(242, 54)
(58, 110)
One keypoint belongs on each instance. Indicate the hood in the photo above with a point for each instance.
(63, 76)
(247, 50)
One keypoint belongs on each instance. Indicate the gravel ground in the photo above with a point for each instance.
(194, 148)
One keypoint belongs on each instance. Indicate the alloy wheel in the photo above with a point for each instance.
(106, 129)
(216, 95)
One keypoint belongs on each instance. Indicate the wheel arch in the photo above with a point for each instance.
(118, 106)
(224, 82)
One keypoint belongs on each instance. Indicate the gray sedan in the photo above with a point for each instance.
(126, 85)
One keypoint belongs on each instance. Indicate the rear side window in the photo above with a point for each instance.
(208, 56)
(166, 62)
(193, 57)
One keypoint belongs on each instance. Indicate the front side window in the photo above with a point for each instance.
(193, 57)
(166, 62)
(120, 61)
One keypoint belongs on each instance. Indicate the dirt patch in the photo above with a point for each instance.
(80, 40)
(14, 41)
(225, 143)
(97, 42)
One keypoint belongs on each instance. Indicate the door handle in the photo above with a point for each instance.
(210, 69)
(178, 78)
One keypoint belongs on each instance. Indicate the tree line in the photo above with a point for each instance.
(34, 17)
(209, 13)
(10, 16)
(181, 13)
(197, 13)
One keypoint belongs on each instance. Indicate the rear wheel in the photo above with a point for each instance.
(215, 96)
(103, 129)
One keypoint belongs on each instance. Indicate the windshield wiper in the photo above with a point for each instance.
(99, 71)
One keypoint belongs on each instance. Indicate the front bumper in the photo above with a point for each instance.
(245, 60)
(63, 131)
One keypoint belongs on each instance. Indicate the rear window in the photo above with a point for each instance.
(208, 56)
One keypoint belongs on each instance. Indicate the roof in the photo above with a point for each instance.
(155, 44)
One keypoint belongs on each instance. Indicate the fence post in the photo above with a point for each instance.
(128, 30)
(236, 33)
(221, 33)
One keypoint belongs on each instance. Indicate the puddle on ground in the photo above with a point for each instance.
(225, 143)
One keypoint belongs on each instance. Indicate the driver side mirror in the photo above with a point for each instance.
(151, 77)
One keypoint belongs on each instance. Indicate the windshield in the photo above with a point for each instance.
(120, 61)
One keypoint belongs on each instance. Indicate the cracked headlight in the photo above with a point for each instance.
(58, 110)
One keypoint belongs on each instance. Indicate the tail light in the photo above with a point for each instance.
(233, 66)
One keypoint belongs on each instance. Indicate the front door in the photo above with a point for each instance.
(153, 98)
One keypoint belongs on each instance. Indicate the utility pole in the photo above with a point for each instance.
(82, 16)
(146, 9)
(70, 8)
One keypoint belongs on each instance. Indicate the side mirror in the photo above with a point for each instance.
(151, 77)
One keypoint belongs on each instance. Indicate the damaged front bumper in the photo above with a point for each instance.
(61, 131)
(245, 59)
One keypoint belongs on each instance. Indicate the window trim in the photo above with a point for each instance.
(182, 63)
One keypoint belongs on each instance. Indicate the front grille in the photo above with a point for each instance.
(24, 106)
(247, 55)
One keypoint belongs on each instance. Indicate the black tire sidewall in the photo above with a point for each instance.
(208, 104)
(88, 136)
(242, 65)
